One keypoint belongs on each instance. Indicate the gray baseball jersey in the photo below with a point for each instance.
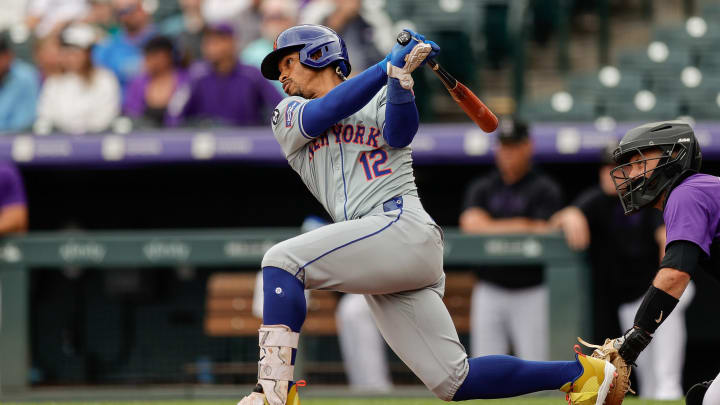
(383, 244)
(350, 168)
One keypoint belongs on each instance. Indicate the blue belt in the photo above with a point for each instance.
(393, 204)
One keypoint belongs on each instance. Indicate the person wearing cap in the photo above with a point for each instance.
(19, 88)
(85, 98)
(624, 253)
(277, 16)
(155, 98)
(122, 51)
(510, 303)
(224, 91)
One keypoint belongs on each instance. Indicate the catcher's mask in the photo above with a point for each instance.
(679, 157)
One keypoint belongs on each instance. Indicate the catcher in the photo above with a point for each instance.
(658, 166)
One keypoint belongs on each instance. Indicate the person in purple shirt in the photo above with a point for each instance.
(155, 98)
(13, 203)
(659, 166)
(222, 90)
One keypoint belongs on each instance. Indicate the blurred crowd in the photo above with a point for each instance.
(99, 65)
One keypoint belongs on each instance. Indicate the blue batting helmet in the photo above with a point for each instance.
(308, 39)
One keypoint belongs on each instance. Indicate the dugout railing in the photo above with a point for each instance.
(566, 272)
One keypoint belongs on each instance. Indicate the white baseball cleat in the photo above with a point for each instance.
(257, 397)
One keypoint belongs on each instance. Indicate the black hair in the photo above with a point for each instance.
(159, 43)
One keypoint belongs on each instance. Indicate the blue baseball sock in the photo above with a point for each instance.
(507, 376)
(284, 300)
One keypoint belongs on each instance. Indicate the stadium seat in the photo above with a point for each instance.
(638, 60)
(542, 110)
(627, 111)
(679, 37)
(588, 86)
(708, 110)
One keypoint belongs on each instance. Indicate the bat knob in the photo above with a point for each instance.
(403, 38)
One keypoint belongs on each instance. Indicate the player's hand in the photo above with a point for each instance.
(433, 53)
(399, 52)
(574, 226)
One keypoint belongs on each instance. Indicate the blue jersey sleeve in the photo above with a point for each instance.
(401, 115)
(341, 102)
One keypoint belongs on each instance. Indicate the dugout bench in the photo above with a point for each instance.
(565, 272)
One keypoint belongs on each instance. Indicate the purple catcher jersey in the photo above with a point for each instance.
(692, 212)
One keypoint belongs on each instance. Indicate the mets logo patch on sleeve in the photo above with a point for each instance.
(290, 112)
(275, 117)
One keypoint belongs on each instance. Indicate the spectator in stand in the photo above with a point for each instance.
(624, 253)
(122, 52)
(153, 99)
(47, 56)
(186, 28)
(48, 17)
(19, 87)
(84, 98)
(244, 15)
(510, 303)
(248, 25)
(277, 16)
(13, 203)
(224, 91)
(101, 14)
(345, 18)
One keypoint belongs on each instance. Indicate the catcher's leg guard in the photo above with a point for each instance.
(593, 385)
(696, 393)
(275, 370)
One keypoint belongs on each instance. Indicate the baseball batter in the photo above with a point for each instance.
(658, 167)
(348, 139)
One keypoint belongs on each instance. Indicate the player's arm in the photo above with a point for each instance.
(13, 218)
(13, 203)
(661, 239)
(687, 221)
(348, 97)
(345, 99)
(477, 220)
(574, 226)
(681, 260)
(401, 118)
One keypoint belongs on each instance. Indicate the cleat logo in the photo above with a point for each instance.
(660, 318)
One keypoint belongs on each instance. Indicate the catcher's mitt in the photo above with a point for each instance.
(621, 383)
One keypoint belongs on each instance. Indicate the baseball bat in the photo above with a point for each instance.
(466, 99)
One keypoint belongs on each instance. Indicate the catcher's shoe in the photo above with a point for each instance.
(696, 393)
(257, 397)
(593, 385)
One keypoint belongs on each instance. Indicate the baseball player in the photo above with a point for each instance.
(623, 253)
(658, 167)
(348, 139)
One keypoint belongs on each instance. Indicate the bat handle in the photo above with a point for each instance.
(448, 80)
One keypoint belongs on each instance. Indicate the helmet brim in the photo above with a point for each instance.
(269, 66)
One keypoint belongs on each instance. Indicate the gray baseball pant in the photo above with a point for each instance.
(394, 258)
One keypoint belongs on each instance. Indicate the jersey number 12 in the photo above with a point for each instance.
(372, 161)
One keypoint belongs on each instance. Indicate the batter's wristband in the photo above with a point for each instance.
(634, 342)
(396, 94)
(655, 308)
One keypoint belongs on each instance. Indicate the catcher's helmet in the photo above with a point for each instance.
(680, 158)
(308, 39)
